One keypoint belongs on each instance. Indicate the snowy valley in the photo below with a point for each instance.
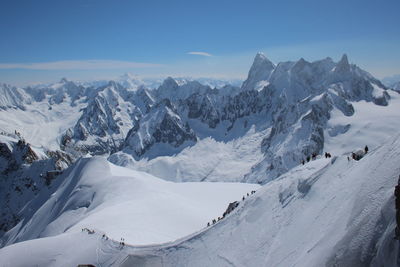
(153, 162)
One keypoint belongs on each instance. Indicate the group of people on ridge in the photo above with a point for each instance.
(230, 208)
(104, 236)
(314, 157)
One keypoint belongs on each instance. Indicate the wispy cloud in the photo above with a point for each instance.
(79, 65)
(199, 53)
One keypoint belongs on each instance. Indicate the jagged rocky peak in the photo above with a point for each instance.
(259, 72)
(161, 126)
(343, 65)
(25, 171)
(168, 88)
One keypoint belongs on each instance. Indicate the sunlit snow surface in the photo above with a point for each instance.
(124, 203)
(218, 160)
(325, 212)
(40, 125)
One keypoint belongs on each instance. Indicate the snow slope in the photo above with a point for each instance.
(329, 212)
(39, 124)
(125, 203)
(207, 160)
(370, 125)
(230, 158)
(326, 213)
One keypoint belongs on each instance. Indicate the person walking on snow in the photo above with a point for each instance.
(397, 205)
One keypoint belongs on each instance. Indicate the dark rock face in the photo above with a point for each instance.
(204, 108)
(171, 131)
(23, 175)
(243, 104)
(5, 152)
(260, 71)
(163, 126)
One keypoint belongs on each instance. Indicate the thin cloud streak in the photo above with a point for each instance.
(79, 65)
(198, 53)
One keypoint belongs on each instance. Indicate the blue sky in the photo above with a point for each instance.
(43, 41)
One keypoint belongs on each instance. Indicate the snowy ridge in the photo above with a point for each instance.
(121, 202)
(350, 203)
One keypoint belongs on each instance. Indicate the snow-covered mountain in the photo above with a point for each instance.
(12, 97)
(154, 210)
(291, 102)
(330, 212)
(396, 86)
(105, 121)
(56, 93)
(392, 82)
(307, 214)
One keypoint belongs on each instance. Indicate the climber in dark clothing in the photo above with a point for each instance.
(397, 205)
(366, 149)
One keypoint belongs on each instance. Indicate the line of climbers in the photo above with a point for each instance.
(230, 208)
(104, 236)
(314, 157)
(88, 231)
(357, 155)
